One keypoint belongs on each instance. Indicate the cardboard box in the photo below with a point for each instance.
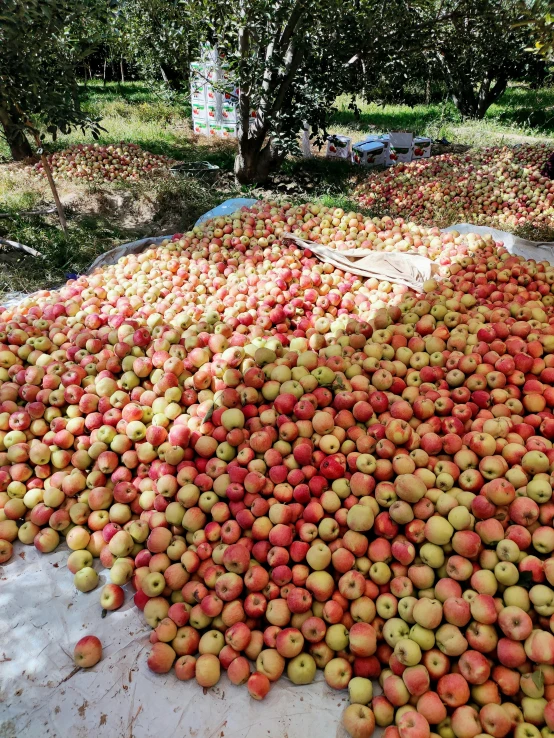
(210, 105)
(401, 144)
(198, 94)
(338, 147)
(199, 111)
(212, 73)
(228, 131)
(228, 114)
(421, 148)
(231, 96)
(198, 71)
(369, 153)
(200, 127)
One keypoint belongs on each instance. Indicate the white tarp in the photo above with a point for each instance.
(42, 695)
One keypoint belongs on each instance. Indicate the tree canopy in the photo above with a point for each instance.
(42, 42)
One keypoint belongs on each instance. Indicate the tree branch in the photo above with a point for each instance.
(295, 60)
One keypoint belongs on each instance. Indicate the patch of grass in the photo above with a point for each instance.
(180, 202)
(62, 255)
(330, 175)
(348, 205)
(134, 112)
(17, 193)
(521, 114)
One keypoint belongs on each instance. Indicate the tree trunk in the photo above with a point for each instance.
(105, 64)
(20, 147)
(255, 161)
(122, 71)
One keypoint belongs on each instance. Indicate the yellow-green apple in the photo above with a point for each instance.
(301, 669)
(360, 690)
(207, 670)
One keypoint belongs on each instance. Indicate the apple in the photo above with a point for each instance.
(359, 721)
(301, 669)
(87, 651)
(112, 597)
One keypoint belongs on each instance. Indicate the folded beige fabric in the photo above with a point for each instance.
(411, 270)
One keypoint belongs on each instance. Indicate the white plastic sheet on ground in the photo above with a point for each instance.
(43, 695)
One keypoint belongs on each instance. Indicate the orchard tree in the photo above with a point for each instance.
(538, 17)
(479, 50)
(289, 58)
(160, 37)
(470, 48)
(42, 42)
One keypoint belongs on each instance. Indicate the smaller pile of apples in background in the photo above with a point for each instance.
(104, 163)
(493, 186)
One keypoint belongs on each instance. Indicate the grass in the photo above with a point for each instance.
(101, 218)
(133, 112)
(521, 114)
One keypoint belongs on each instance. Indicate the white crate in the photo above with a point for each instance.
(228, 114)
(228, 131)
(214, 130)
(421, 148)
(369, 153)
(339, 147)
(200, 127)
(199, 111)
(401, 144)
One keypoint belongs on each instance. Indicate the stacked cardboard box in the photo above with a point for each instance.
(214, 98)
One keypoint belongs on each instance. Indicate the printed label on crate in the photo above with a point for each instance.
(214, 129)
(212, 112)
(199, 111)
(228, 131)
(200, 127)
(197, 93)
(210, 94)
(211, 74)
(228, 113)
(401, 154)
(231, 96)
(422, 148)
(338, 147)
(197, 76)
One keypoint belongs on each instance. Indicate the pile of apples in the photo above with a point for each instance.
(492, 186)
(296, 469)
(101, 163)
